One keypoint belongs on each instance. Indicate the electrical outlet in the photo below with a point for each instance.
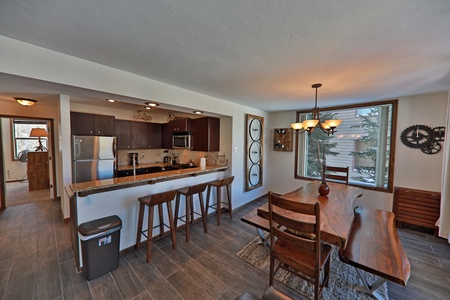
(9, 174)
(87, 201)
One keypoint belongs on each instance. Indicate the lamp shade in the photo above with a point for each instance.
(25, 101)
(333, 123)
(38, 132)
(310, 123)
(297, 125)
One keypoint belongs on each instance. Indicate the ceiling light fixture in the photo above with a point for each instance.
(153, 104)
(148, 107)
(110, 100)
(25, 101)
(198, 112)
(327, 127)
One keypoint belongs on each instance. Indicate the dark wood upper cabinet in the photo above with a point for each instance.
(139, 136)
(123, 134)
(206, 134)
(180, 125)
(154, 138)
(166, 136)
(91, 124)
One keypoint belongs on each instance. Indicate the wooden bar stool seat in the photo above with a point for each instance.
(188, 192)
(218, 184)
(150, 201)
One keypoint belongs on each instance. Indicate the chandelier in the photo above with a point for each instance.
(327, 126)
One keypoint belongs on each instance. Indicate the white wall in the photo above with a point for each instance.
(413, 168)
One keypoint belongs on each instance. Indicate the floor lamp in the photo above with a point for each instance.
(39, 132)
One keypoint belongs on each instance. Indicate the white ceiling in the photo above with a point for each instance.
(263, 54)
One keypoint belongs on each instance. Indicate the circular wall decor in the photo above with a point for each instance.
(417, 136)
(254, 152)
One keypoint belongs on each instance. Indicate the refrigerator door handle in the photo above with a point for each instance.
(77, 149)
(114, 148)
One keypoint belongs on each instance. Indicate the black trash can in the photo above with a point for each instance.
(100, 241)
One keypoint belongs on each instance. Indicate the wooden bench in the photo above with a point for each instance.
(375, 247)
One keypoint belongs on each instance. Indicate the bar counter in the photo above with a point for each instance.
(119, 196)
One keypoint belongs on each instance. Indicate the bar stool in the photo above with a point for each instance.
(219, 184)
(151, 201)
(188, 192)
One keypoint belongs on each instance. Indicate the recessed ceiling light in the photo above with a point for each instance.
(110, 100)
(153, 104)
(198, 112)
(148, 107)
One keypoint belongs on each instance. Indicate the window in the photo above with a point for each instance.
(364, 142)
(21, 129)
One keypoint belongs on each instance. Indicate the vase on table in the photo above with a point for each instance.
(324, 189)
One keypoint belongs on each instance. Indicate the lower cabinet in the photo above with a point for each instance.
(38, 171)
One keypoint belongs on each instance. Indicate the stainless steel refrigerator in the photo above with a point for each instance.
(93, 158)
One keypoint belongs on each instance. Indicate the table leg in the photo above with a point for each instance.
(370, 289)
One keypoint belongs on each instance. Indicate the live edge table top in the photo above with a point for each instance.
(336, 210)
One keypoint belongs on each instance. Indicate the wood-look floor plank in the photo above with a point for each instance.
(127, 281)
(155, 283)
(104, 287)
(162, 262)
(225, 273)
(5, 268)
(74, 285)
(47, 281)
(21, 289)
(188, 287)
(143, 296)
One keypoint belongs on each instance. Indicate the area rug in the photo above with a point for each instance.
(342, 276)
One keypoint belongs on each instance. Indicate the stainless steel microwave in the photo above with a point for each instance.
(181, 140)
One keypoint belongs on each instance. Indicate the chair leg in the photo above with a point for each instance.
(188, 221)
(139, 229)
(207, 198)
(271, 272)
(218, 203)
(150, 233)
(172, 225)
(161, 220)
(230, 206)
(177, 208)
(202, 209)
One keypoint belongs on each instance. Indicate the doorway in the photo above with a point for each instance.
(26, 168)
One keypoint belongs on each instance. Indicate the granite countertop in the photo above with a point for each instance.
(98, 186)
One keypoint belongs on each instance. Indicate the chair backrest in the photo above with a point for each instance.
(338, 174)
(158, 198)
(293, 223)
(195, 189)
(227, 181)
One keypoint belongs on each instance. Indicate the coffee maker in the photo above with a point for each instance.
(134, 156)
(167, 158)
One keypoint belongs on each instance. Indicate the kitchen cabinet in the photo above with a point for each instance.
(123, 134)
(180, 125)
(91, 124)
(166, 139)
(137, 135)
(206, 134)
(38, 171)
(154, 137)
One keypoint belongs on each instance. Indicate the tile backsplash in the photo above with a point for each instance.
(147, 156)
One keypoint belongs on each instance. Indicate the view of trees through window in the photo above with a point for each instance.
(21, 129)
(362, 142)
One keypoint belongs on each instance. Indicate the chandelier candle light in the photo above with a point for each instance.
(327, 127)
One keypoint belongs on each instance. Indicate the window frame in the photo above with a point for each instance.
(14, 139)
(390, 183)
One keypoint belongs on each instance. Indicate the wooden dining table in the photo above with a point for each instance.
(336, 210)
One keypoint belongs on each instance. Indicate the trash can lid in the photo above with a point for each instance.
(99, 225)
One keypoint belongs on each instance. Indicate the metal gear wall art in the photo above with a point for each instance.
(423, 137)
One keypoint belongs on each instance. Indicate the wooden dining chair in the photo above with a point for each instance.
(336, 174)
(295, 242)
